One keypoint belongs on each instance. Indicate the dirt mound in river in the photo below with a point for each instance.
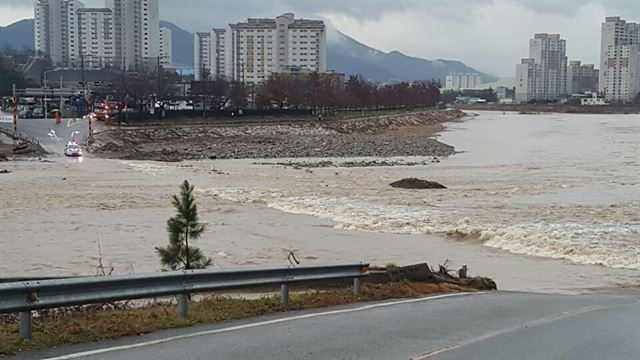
(413, 183)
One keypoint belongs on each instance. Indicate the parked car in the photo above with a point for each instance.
(25, 114)
(37, 113)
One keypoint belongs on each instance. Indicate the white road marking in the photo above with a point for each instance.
(543, 321)
(436, 352)
(73, 122)
(248, 326)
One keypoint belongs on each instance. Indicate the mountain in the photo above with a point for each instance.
(17, 36)
(181, 45)
(344, 54)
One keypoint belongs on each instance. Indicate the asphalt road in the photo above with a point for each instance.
(496, 325)
(51, 136)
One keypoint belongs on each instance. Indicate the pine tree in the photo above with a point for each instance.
(183, 227)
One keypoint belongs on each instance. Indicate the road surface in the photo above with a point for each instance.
(494, 325)
(51, 136)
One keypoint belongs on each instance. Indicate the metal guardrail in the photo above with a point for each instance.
(27, 296)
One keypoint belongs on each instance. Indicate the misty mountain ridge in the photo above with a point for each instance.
(344, 54)
(17, 36)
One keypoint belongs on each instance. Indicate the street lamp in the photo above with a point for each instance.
(84, 91)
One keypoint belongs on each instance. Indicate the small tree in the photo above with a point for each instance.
(182, 227)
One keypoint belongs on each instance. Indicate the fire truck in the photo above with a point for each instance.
(106, 110)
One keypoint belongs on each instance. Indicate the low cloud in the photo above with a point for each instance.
(491, 36)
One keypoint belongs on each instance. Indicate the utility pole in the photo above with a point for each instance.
(204, 98)
(61, 101)
(84, 92)
(15, 111)
(46, 109)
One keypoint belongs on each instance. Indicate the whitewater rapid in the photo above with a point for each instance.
(557, 186)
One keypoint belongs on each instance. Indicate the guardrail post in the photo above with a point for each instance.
(25, 325)
(183, 305)
(357, 287)
(284, 294)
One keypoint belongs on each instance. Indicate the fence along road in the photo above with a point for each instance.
(27, 296)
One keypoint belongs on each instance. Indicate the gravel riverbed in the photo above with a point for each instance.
(406, 134)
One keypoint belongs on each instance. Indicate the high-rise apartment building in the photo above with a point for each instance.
(136, 30)
(543, 76)
(457, 81)
(56, 30)
(251, 51)
(95, 36)
(618, 58)
(202, 56)
(220, 53)
(526, 73)
(126, 33)
(166, 48)
(623, 73)
(581, 78)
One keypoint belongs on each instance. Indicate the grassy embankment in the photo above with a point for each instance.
(78, 326)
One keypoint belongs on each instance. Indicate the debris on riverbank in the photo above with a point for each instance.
(349, 163)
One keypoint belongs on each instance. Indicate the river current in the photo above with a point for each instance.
(562, 186)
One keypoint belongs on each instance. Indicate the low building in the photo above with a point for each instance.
(470, 100)
(592, 99)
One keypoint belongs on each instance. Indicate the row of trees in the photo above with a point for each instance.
(317, 91)
(314, 91)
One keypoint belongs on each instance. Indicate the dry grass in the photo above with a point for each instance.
(73, 327)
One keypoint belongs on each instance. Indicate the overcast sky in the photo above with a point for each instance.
(490, 35)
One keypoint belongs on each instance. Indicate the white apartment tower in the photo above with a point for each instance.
(545, 69)
(526, 73)
(622, 80)
(220, 54)
(457, 81)
(202, 55)
(166, 59)
(136, 30)
(251, 51)
(618, 77)
(124, 34)
(95, 36)
(56, 30)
